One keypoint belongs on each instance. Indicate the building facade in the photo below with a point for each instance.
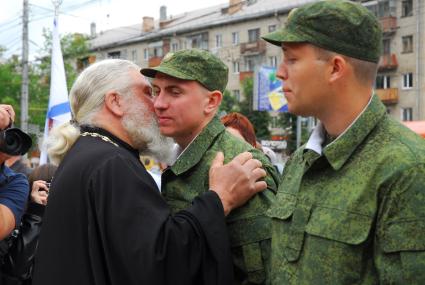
(232, 31)
(400, 82)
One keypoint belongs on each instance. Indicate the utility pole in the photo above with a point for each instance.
(24, 89)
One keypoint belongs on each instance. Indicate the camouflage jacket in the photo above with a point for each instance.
(356, 213)
(249, 228)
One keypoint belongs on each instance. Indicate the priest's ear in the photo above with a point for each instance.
(114, 103)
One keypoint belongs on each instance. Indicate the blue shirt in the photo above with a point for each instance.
(13, 191)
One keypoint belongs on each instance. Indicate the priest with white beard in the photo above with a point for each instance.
(106, 222)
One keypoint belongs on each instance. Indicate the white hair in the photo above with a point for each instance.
(87, 97)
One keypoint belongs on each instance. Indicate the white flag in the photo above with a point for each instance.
(59, 110)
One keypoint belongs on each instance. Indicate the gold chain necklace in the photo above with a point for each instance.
(96, 135)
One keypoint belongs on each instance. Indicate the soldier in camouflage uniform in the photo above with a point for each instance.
(188, 87)
(351, 208)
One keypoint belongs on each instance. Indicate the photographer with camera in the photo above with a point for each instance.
(19, 261)
(13, 186)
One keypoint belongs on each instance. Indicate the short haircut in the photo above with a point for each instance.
(364, 71)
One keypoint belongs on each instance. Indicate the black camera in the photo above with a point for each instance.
(13, 141)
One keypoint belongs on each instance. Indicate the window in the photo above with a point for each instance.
(407, 80)
(272, 28)
(199, 41)
(124, 54)
(273, 61)
(237, 95)
(174, 47)
(253, 35)
(235, 38)
(382, 82)
(218, 40)
(134, 55)
(114, 54)
(407, 44)
(146, 54)
(381, 8)
(406, 114)
(384, 8)
(157, 52)
(386, 46)
(249, 64)
(407, 8)
(236, 67)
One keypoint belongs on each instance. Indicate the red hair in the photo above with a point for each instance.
(240, 123)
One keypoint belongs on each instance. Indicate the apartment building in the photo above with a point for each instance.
(400, 82)
(232, 31)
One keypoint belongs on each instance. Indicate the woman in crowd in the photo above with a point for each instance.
(19, 261)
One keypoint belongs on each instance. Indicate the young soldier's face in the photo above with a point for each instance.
(180, 107)
(303, 76)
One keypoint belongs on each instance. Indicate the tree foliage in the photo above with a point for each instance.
(259, 119)
(73, 46)
(228, 104)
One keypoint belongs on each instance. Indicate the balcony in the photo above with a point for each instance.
(253, 47)
(245, 74)
(388, 96)
(388, 24)
(154, 61)
(388, 62)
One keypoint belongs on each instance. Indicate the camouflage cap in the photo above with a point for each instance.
(340, 26)
(193, 64)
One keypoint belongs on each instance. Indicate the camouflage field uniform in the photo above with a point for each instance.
(356, 214)
(248, 226)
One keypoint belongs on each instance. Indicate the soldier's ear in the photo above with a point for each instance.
(114, 103)
(338, 68)
(214, 100)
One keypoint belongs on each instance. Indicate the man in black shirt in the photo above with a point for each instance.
(106, 222)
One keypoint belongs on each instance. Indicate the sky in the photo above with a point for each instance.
(76, 16)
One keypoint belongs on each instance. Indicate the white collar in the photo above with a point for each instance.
(317, 137)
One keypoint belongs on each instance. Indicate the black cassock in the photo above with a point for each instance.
(106, 223)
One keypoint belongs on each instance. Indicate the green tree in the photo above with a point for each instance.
(74, 46)
(259, 119)
(10, 82)
(288, 122)
(228, 104)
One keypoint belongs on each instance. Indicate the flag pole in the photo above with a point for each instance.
(58, 111)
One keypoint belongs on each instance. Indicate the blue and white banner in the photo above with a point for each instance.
(268, 94)
(59, 110)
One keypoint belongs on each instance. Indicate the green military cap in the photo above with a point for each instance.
(193, 64)
(340, 26)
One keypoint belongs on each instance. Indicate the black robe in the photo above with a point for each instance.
(106, 223)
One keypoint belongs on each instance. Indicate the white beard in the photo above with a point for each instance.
(144, 133)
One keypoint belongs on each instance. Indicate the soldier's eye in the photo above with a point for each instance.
(155, 92)
(175, 91)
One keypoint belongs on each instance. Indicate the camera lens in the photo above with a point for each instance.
(14, 141)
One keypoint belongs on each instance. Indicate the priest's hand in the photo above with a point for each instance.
(237, 181)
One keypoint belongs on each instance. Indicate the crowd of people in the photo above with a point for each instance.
(348, 209)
